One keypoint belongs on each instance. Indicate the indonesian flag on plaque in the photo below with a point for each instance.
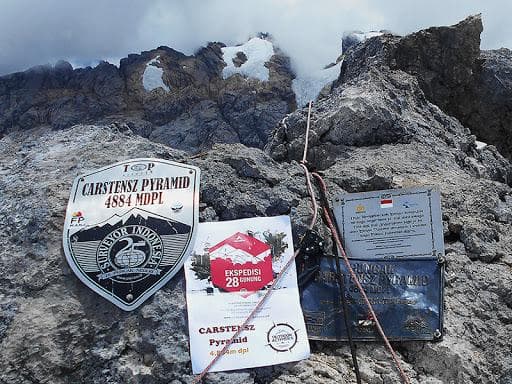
(241, 263)
(386, 203)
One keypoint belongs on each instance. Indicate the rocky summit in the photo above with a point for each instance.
(428, 108)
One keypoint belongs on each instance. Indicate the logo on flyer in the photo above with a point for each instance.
(241, 263)
(282, 337)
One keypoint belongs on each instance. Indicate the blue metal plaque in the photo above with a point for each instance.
(406, 295)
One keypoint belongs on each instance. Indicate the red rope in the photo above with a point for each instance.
(334, 233)
(329, 221)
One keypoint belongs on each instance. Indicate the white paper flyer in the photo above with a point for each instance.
(230, 269)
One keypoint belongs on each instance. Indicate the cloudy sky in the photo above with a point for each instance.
(36, 32)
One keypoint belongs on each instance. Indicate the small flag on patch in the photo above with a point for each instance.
(386, 203)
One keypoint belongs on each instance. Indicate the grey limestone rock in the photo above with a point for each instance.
(55, 330)
(472, 85)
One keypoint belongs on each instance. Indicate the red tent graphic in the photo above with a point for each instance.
(240, 263)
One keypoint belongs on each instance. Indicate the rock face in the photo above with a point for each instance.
(473, 86)
(59, 96)
(235, 109)
(378, 128)
(443, 59)
(199, 107)
(353, 38)
(487, 110)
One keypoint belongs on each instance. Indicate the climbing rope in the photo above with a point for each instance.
(270, 290)
(338, 268)
(284, 270)
(334, 233)
(360, 288)
(341, 286)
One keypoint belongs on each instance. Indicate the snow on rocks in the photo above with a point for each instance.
(257, 52)
(352, 38)
(308, 87)
(152, 77)
(361, 36)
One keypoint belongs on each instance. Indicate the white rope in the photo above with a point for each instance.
(276, 280)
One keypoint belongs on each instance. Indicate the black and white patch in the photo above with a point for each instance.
(123, 236)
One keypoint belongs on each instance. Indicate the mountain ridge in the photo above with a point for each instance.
(472, 85)
(229, 110)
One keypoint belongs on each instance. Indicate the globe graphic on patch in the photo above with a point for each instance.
(130, 259)
(129, 256)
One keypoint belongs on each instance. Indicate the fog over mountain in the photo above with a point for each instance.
(34, 32)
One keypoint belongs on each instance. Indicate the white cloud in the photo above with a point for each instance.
(35, 32)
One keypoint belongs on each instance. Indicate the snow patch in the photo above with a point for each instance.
(258, 52)
(114, 61)
(152, 77)
(480, 144)
(308, 87)
(362, 36)
(355, 37)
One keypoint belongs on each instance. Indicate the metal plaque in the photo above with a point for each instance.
(129, 227)
(391, 224)
(406, 296)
